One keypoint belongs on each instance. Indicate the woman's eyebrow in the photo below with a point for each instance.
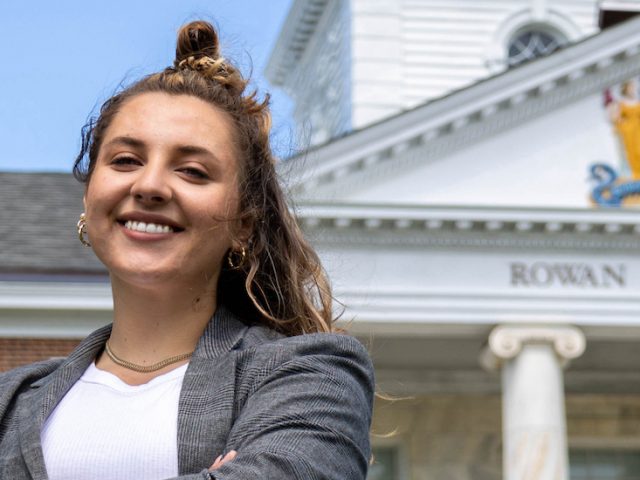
(127, 141)
(195, 150)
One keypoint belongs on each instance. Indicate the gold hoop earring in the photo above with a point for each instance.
(82, 230)
(236, 259)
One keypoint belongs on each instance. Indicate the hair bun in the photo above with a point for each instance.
(198, 50)
(197, 39)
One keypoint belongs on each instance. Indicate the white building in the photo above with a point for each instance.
(448, 192)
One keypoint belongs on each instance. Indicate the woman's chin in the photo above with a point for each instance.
(144, 276)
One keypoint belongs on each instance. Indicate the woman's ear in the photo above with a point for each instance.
(245, 231)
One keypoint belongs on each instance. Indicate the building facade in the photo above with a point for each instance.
(474, 209)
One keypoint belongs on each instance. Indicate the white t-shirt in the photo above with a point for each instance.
(104, 428)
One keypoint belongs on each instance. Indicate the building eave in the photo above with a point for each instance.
(299, 26)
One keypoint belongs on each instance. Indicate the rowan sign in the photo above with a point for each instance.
(582, 275)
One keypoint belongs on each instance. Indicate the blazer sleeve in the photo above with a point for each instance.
(309, 418)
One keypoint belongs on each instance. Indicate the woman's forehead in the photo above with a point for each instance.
(178, 122)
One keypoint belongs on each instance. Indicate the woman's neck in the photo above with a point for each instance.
(151, 324)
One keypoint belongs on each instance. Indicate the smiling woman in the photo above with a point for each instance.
(221, 361)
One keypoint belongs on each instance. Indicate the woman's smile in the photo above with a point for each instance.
(157, 226)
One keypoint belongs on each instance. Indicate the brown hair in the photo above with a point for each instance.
(281, 282)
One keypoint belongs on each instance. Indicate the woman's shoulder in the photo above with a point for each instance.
(262, 340)
(13, 381)
(264, 353)
(31, 372)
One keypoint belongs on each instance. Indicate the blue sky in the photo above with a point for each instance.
(61, 59)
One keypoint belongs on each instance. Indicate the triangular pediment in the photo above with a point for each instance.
(526, 137)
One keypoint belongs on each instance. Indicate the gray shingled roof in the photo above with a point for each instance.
(38, 225)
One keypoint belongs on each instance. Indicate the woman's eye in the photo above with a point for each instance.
(125, 161)
(195, 173)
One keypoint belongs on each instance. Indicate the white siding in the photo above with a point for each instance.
(406, 52)
(377, 67)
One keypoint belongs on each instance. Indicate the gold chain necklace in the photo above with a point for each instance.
(145, 368)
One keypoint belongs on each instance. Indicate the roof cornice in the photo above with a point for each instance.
(53, 309)
(474, 112)
(472, 227)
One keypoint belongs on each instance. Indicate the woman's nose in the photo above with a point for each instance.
(151, 186)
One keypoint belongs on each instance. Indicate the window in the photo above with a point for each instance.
(385, 464)
(590, 464)
(531, 43)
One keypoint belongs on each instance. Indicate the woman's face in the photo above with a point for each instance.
(164, 184)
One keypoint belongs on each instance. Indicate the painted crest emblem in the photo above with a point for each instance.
(610, 190)
(620, 187)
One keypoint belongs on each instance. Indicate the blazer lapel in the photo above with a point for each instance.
(29, 418)
(207, 399)
(36, 404)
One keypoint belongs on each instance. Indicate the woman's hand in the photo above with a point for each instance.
(222, 460)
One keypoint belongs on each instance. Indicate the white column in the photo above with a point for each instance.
(533, 414)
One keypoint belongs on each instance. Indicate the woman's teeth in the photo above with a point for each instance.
(147, 227)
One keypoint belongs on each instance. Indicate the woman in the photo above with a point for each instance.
(220, 362)
(625, 116)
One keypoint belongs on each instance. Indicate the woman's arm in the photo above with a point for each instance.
(307, 419)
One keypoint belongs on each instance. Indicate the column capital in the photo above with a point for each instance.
(507, 341)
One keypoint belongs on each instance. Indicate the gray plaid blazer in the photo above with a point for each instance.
(293, 408)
